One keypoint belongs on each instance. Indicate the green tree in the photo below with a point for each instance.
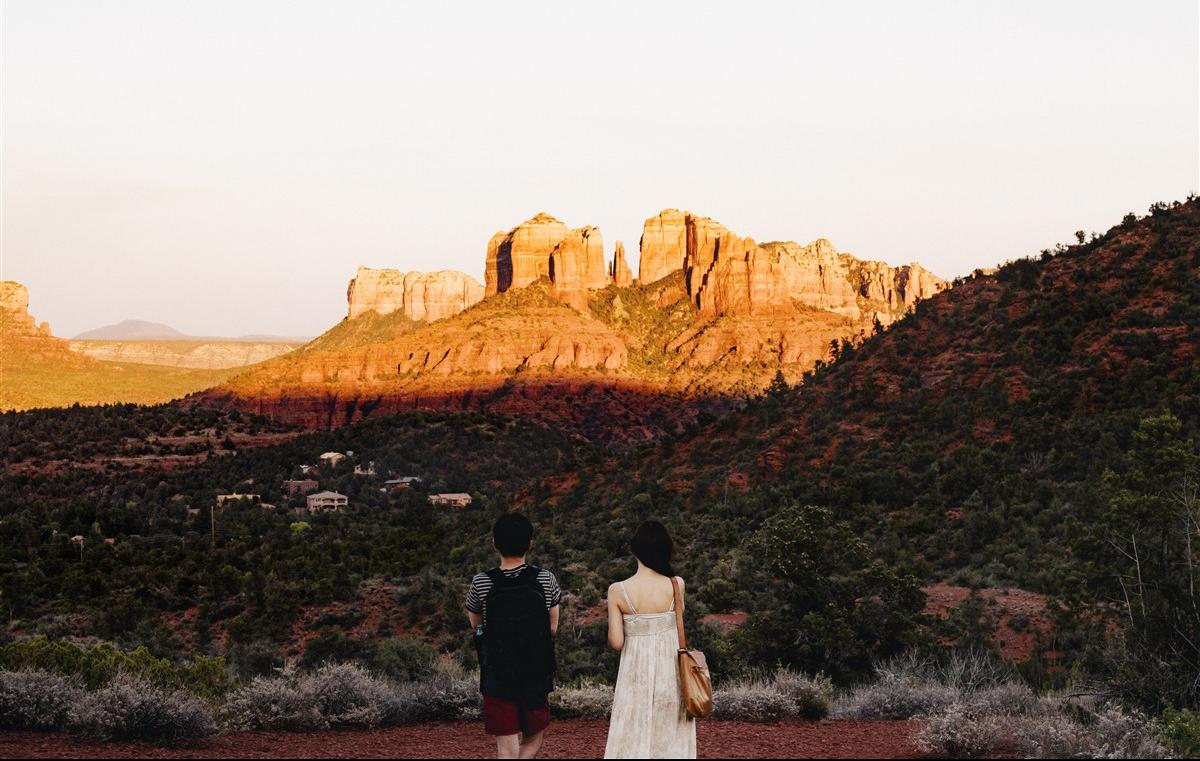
(1152, 532)
(835, 607)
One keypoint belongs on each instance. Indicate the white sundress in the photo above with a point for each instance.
(648, 720)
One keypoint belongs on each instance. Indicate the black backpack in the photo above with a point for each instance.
(516, 651)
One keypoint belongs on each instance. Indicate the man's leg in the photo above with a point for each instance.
(508, 746)
(532, 744)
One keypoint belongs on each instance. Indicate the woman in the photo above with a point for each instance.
(648, 720)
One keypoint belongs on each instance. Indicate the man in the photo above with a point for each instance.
(513, 610)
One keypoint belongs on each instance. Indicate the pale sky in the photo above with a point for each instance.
(225, 166)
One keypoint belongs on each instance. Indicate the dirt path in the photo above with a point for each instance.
(567, 739)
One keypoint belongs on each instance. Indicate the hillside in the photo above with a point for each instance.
(970, 438)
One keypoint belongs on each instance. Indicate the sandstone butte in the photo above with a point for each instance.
(426, 296)
(711, 315)
(14, 313)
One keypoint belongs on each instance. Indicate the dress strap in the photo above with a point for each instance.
(628, 599)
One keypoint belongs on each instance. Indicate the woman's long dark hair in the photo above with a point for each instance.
(653, 546)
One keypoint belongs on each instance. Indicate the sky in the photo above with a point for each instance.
(224, 167)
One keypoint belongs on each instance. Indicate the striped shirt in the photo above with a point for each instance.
(481, 584)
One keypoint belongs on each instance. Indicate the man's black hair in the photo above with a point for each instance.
(512, 534)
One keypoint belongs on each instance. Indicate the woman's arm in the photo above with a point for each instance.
(616, 621)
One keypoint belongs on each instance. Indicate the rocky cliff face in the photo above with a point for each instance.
(664, 240)
(15, 319)
(619, 274)
(426, 296)
(543, 247)
(577, 266)
(729, 275)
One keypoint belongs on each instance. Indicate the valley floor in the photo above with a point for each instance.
(566, 739)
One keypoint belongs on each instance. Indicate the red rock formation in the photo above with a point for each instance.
(573, 260)
(522, 255)
(620, 274)
(14, 312)
(662, 247)
(728, 275)
(424, 296)
(577, 266)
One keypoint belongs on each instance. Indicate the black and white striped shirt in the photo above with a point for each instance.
(481, 584)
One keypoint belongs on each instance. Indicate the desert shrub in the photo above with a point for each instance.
(98, 665)
(751, 701)
(450, 693)
(956, 733)
(583, 701)
(1181, 732)
(913, 687)
(810, 696)
(784, 695)
(403, 658)
(133, 708)
(35, 699)
(347, 695)
(1047, 729)
(894, 697)
(273, 703)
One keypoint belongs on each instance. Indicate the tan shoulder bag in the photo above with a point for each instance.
(695, 683)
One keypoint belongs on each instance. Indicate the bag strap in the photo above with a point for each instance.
(683, 646)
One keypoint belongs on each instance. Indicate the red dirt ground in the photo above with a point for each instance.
(566, 739)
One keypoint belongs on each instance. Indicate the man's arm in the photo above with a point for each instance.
(474, 604)
(554, 620)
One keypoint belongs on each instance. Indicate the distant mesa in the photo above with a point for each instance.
(143, 330)
(133, 330)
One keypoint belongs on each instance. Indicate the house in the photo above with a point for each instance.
(292, 487)
(326, 500)
(456, 500)
(332, 458)
(367, 471)
(400, 483)
(236, 497)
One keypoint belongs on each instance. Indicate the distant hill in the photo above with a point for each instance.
(133, 330)
(144, 330)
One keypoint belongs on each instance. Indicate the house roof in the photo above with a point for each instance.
(454, 495)
(327, 495)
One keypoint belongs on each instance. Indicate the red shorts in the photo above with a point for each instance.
(501, 717)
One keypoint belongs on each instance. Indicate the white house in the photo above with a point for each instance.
(326, 500)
